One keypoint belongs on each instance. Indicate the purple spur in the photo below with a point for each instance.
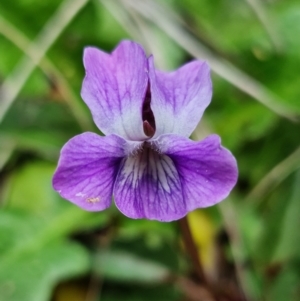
(146, 160)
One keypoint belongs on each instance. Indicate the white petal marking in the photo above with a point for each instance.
(80, 194)
(149, 162)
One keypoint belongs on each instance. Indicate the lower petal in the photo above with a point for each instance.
(87, 170)
(148, 186)
(207, 171)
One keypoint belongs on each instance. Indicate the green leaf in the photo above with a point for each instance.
(289, 240)
(126, 267)
(272, 220)
(286, 286)
(35, 255)
(32, 276)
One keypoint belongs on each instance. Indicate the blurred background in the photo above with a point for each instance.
(249, 245)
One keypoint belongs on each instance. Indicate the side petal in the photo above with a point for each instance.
(87, 170)
(114, 88)
(207, 171)
(148, 186)
(179, 98)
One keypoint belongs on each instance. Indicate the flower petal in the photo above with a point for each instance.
(87, 169)
(179, 98)
(207, 171)
(148, 186)
(114, 88)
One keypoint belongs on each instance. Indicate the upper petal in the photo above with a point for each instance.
(114, 88)
(179, 98)
(207, 171)
(148, 186)
(87, 169)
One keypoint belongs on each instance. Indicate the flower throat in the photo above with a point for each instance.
(147, 115)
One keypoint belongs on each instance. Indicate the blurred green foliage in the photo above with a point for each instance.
(47, 243)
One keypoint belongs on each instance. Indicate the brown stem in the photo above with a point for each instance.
(193, 253)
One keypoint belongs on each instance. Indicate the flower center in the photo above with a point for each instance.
(147, 115)
(151, 170)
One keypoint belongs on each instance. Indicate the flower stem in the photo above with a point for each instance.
(193, 253)
(192, 249)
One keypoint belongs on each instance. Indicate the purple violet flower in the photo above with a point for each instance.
(146, 159)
